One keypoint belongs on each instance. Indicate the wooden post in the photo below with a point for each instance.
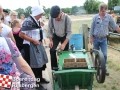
(85, 36)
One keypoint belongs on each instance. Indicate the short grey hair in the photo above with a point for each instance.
(103, 5)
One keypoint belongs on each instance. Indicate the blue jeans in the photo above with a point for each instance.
(101, 44)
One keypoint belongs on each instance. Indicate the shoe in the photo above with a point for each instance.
(43, 80)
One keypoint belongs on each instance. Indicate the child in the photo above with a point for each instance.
(16, 27)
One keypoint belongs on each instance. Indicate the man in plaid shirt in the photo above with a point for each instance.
(99, 29)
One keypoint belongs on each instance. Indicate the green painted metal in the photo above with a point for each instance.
(75, 54)
(66, 79)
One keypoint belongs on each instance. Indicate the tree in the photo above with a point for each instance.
(91, 6)
(47, 11)
(74, 10)
(119, 3)
(27, 11)
(20, 11)
(67, 10)
(112, 3)
(8, 10)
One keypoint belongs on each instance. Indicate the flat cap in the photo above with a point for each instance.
(55, 11)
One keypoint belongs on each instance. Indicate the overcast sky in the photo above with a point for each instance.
(14, 4)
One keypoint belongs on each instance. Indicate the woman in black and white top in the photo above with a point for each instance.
(32, 35)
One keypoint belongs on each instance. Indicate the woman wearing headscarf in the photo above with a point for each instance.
(34, 51)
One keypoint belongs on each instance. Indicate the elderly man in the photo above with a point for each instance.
(59, 30)
(32, 35)
(99, 29)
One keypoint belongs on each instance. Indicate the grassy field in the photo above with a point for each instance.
(77, 25)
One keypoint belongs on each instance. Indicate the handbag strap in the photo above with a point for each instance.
(38, 26)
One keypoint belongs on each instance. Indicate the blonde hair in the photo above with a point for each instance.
(13, 24)
(13, 13)
(103, 5)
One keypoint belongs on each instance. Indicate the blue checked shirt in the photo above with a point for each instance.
(99, 27)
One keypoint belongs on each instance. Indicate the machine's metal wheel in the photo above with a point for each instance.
(100, 67)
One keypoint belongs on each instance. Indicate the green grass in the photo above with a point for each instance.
(77, 25)
(113, 65)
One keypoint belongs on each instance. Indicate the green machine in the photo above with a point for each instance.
(77, 67)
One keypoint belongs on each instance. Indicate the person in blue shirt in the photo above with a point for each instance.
(100, 29)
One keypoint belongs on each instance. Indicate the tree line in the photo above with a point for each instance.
(91, 6)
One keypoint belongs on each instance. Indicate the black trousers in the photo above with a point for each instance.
(56, 41)
(36, 71)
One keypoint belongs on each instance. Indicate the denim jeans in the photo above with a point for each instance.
(101, 44)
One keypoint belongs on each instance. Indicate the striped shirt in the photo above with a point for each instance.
(99, 27)
(60, 27)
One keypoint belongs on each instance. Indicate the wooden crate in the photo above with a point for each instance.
(80, 60)
(70, 65)
(69, 60)
(75, 63)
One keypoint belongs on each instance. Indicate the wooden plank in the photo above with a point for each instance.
(85, 35)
